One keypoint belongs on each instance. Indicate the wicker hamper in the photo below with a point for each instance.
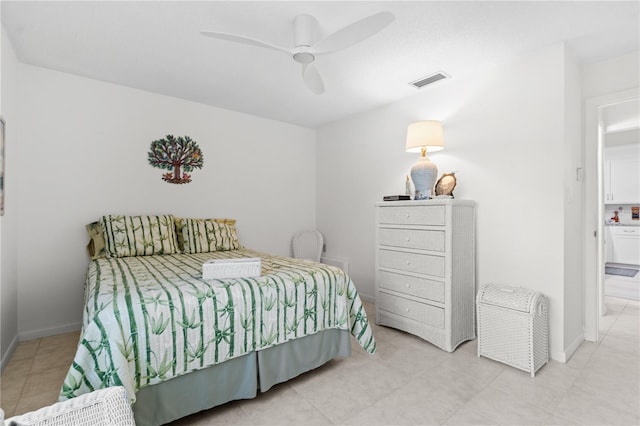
(513, 326)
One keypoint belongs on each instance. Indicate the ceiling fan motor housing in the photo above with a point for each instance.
(305, 30)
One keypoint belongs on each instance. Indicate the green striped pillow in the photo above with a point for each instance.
(139, 235)
(205, 235)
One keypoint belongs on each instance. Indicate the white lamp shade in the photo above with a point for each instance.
(424, 134)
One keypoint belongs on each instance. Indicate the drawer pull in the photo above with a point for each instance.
(408, 285)
(408, 262)
(408, 239)
(406, 215)
(407, 309)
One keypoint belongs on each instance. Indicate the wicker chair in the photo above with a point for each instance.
(307, 245)
(104, 407)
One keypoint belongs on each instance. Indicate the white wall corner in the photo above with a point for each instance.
(6, 357)
(569, 351)
(49, 331)
(9, 222)
(573, 202)
(367, 298)
(338, 262)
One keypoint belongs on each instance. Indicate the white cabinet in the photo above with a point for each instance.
(608, 244)
(625, 244)
(425, 269)
(622, 181)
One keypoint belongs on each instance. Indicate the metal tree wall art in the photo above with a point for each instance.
(180, 155)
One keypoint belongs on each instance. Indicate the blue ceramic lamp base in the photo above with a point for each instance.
(423, 175)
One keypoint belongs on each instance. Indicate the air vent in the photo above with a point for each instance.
(424, 81)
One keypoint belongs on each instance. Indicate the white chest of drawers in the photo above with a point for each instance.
(425, 269)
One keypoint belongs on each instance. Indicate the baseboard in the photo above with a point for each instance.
(336, 261)
(46, 332)
(368, 299)
(6, 357)
(572, 348)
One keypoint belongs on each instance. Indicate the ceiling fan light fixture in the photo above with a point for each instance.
(303, 57)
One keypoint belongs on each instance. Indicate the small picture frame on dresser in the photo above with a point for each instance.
(446, 185)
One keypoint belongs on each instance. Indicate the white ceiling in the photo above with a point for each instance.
(157, 46)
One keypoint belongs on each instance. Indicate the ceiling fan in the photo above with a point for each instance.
(307, 47)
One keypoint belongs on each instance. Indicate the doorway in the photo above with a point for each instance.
(595, 128)
(622, 200)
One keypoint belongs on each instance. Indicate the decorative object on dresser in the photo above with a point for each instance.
(396, 198)
(425, 269)
(446, 184)
(423, 136)
(513, 326)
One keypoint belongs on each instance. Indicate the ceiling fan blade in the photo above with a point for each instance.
(354, 33)
(244, 40)
(312, 79)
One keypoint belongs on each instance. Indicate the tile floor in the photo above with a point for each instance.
(407, 382)
(619, 286)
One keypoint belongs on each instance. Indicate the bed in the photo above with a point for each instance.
(180, 344)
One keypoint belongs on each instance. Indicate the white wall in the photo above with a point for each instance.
(8, 222)
(81, 152)
(504, 134)
(573, 209)
(613, 75)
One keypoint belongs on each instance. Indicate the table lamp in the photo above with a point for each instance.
(423, 136)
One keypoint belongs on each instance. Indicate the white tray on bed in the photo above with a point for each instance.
(231, 268)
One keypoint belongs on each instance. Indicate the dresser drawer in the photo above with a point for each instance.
(407, 215)
(416, 311)
(412, 262)
(419, 287)
(412, 238)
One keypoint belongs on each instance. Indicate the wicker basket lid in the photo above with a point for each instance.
(516, 298)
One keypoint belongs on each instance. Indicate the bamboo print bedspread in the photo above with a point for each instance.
(150, 318)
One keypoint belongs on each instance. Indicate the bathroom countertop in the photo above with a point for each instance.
(623, 224)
